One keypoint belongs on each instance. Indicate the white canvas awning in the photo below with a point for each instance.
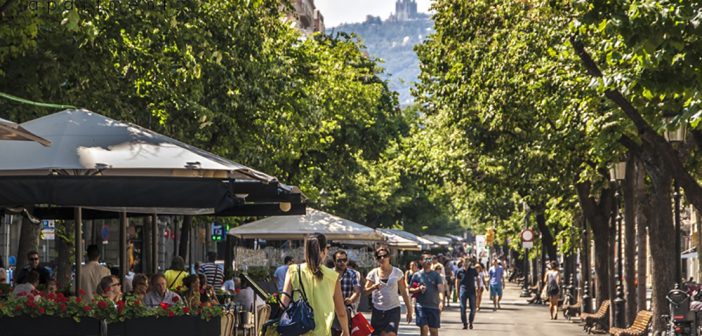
(442, 241)
(689, 254)
(423, 243)
(297, 227)
(12, 131)
(392, 239)
(84, 142)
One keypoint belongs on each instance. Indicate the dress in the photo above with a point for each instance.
(320, 295)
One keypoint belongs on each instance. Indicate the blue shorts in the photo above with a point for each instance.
(495, 290)
(427, 317)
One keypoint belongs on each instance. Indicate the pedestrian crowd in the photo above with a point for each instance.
(332, 287)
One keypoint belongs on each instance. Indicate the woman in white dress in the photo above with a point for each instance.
(481, 285)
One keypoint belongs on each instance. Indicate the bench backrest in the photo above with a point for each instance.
(643, 318)
(604, 307)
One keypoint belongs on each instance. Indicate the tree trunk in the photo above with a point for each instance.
(185, 237)
(64, 245)
(28, 241)
(546, 236)
(629, 238)
(611, 263)
(602, 258)
(642, 213)
(661, 227)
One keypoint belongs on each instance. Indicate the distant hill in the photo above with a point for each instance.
(393, 42)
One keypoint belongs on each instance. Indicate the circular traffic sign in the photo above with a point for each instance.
(527, 235)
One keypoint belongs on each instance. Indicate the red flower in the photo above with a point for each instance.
(175, 299)
(102, 305)
(170, 314)
(79, 299)
(81, 292)
(18, 307)
(51, 296)
(186, 310)
(86, 308)
(42, 310)
(203, 304)
(63, 307)
(22, 294)
(137, 302)
(164, 305)
(120, 305)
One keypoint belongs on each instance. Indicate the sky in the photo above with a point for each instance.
(336, 12)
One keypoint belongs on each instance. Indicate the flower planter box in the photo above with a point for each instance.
(165, 326)
(48, 326)
(55, 326)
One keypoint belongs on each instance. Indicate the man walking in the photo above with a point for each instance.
(350, 287)
(428, 287)
(92, 272)
(33, 264)
(497, 283)
(466, 280)
(214, 274)
(279, 274)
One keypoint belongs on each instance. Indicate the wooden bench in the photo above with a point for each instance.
(638, 328)
(572, 310)
(600, 318)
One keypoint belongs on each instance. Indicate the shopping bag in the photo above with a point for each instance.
(360, 326)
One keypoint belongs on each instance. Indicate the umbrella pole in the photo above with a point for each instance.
(78, 217)
(123, 262)
(154, 243)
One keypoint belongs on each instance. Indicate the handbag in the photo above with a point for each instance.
(298, 317)
(360, 326)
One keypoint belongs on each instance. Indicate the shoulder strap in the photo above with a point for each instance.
(174, 280)
(299, 279)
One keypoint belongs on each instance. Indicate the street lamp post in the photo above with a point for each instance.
(525, 287)
(676, 136)
(618, 173)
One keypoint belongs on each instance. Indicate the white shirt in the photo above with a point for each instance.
(386, 297)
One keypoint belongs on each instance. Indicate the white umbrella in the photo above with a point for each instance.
(12, 131)
(393, 239)
(297, 227)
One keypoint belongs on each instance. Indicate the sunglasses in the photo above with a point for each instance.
(380, 257)
(341, 260)
(32, 259)
(427, 259)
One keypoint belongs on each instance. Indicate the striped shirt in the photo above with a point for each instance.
(214, 274)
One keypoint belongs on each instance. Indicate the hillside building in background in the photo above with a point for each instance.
(306, 17)
(406, 10)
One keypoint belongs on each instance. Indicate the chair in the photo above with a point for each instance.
(264, 313)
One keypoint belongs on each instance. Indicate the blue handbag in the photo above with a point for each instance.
(298, 317)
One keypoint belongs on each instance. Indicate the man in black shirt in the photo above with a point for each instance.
(466, 278)
(33, 265)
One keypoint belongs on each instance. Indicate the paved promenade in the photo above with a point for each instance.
(515, 318)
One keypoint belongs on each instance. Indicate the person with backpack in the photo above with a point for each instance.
(551, 280)
(319, 286)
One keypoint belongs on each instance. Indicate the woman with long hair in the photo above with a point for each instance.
(175, 274)
(481, 285)
(551, 280)
(384, 283)
(321, 285)
(411, 269)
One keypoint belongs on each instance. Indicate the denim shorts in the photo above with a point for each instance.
(495, 290)
(428, 317)
(385, 320)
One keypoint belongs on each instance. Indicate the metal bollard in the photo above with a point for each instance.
(587, 299)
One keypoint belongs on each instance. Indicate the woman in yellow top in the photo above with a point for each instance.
(322, 287)
(175, 275)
